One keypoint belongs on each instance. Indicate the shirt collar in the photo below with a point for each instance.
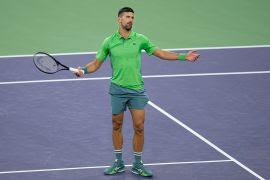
(130, 36)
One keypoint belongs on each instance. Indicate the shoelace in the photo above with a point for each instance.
(141, 166)
(116, 163)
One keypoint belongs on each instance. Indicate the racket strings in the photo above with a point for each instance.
(46, 64)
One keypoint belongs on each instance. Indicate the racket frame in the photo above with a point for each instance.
(57, 62)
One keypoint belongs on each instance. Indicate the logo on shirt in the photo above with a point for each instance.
(134, 44)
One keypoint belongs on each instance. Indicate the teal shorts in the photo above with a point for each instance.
(121, 98)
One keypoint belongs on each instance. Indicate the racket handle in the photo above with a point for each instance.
(75, 70)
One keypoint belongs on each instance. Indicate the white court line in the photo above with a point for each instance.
(98, 167)
(204, 140)
(53, 80)
(147, 76)
(172, 49)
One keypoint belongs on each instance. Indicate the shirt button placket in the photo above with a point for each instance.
(124, 43)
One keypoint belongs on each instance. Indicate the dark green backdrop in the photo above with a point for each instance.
(59, 26)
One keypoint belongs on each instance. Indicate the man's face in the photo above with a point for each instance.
(126, 20)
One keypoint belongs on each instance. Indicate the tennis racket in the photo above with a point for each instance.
(48, 64)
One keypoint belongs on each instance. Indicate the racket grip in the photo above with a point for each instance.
(76, 70)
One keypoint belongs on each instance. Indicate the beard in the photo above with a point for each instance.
(127, 27)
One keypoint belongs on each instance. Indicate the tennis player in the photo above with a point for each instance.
(127, 86)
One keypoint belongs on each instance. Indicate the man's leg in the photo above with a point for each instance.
(138, 125)
(118, 107)
(117, 137)
(138, 142)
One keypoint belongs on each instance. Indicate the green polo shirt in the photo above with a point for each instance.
(125, 57)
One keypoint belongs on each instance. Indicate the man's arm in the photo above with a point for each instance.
(167, 55)
(90, 67)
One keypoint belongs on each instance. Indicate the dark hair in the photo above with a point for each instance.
(124, 9)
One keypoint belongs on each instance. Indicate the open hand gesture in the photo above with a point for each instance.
(192, 56)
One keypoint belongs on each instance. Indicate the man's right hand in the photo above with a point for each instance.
(79, 73)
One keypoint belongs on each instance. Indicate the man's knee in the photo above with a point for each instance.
(117, 121)
(139, 127)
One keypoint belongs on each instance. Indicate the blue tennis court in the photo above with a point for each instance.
(205, 120)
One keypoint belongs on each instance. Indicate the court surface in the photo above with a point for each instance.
(207, 120)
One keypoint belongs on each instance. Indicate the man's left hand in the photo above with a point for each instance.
(192, 56)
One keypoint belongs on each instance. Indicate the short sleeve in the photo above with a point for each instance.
(148, 46)
(103, 51)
